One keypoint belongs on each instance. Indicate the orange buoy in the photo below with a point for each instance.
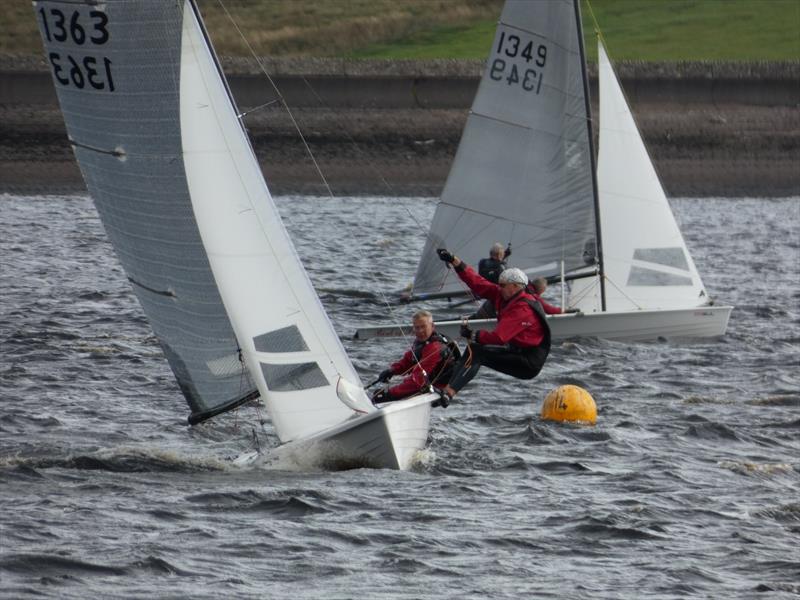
(569, 403)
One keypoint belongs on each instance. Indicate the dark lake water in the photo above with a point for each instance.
(687, 487)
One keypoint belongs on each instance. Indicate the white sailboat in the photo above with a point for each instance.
(524, 174)
(169, 166)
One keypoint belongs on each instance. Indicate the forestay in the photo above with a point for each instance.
(523, 171)
(646, 261)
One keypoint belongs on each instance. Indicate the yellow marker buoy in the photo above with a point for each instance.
(569, 403)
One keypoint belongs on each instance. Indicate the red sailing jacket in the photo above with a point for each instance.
(516, 322)
(548, 308)
(433, 352)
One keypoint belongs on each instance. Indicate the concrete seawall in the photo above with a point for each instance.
(392, 127)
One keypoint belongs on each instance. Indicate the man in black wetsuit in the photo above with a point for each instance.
(518, 345)
(490, 269)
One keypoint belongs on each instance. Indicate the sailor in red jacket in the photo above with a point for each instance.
(429, 362)
(536, 288)
(520, 342)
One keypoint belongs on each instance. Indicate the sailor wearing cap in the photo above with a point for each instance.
(520, 342)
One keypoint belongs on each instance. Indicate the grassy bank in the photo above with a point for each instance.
(653, 30)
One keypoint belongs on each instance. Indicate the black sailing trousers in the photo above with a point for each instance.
(522, 363)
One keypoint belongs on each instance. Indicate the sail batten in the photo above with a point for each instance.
(118, 89)
(560, 136)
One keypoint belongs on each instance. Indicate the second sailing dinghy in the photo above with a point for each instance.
(167, 162)
(524, 174)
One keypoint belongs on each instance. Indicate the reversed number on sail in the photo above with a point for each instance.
(74, 27)
(518, 62)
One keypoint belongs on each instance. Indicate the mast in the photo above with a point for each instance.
(592, 159)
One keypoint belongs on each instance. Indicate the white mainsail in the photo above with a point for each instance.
(523, 170)
(182, 198)
(646, 261)
(288, 342)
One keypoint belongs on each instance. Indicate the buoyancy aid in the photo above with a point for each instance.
(490, 268)
(449, 353)
(537, 309)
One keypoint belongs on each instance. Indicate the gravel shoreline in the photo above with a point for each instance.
(392, 127)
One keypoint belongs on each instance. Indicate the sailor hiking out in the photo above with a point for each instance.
(519, 344)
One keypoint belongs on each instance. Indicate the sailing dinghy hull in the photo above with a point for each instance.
(640, 325)
(388, 438)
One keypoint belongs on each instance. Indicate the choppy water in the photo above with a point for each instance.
(688, 487)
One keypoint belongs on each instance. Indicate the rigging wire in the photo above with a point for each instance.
(255, 108)
(350, 138)
(280, 98)
(621, 291)
(597, 31)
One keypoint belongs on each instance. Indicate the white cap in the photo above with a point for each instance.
(513, 275)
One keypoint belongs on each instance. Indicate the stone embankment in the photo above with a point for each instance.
(392, 127)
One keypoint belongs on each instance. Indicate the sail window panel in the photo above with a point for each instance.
(286, 339)
(204, 389)
(226, 366)
(640, 276)
(669, 257)
(293, 377)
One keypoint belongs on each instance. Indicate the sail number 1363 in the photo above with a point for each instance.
(74, 28)
(512, 49)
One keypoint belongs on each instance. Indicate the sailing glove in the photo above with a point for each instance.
(381, 396)
(508, 251)
(466, 332)
(385, 375)
(445, 255)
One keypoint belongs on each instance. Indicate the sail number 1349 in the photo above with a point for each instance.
(512, 49)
